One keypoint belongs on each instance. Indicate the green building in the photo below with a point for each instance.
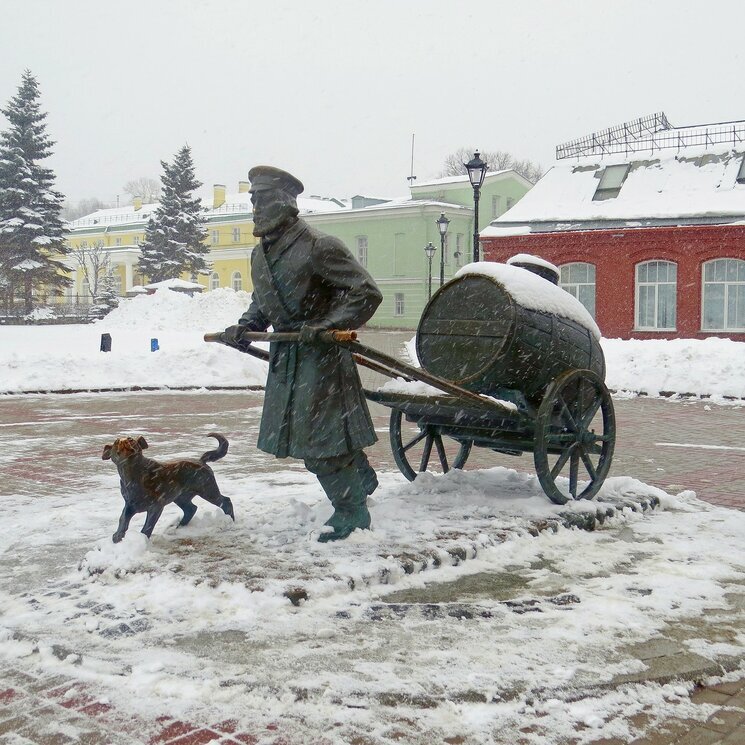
(389, 237)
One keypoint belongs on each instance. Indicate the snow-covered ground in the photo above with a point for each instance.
(450, 619)
(528, 631)
(34, 358)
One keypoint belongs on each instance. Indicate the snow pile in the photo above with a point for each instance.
(44, 358)
(706, 367)
(534, 292)
(168, 310)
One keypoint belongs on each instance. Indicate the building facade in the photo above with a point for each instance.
(387, 236)
(652, 243)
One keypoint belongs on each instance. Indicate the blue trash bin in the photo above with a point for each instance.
(154, 345)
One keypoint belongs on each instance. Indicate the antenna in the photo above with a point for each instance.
(412, 178)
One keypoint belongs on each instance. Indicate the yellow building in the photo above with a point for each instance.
(120, 231)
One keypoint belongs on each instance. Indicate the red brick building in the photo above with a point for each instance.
(651, 242)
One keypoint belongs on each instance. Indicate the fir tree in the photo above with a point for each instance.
(31, 229)
(174, 236)
(108, 296)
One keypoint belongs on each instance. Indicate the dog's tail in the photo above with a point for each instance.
(222, 448)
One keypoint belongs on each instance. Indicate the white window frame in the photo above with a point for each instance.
(496, 205)
(362, 246)
(215, 237)
(236, 279)
(214, 281)
(611, 180)
(656, 285)
(728, 286)
(399, 304)
(579, 289)
(236, 235)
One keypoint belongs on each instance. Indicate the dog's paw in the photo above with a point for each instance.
(117, 537)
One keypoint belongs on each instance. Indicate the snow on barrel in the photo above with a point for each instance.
(501, 326)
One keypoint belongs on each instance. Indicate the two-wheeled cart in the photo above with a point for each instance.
(495, 374)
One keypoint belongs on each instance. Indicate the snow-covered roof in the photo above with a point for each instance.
(534, 292)
(406, 202)
(241, 202)
(694, 183)
(114, 215)
(455, 179)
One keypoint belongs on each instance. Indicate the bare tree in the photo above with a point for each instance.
(498, 160)
(147, 188)
(95, 264)
(83, 207)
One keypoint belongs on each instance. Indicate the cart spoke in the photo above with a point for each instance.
(561, 462)
(589, 415)
(566, 413)
(573, 472)
(589, 465)
(426, 453)
(413, 442)
(441, 453)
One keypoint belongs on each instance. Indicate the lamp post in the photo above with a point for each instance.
(476, 171)
(429, 249)
(442, 226)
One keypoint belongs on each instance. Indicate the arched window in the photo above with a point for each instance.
(85, 292)
(214, 281)
(578, 279)
(656, 289)
(237, 281)
(723, 296)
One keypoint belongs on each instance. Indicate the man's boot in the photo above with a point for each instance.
(347, 491)
(366, 471)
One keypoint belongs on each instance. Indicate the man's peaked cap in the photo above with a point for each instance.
(269, 177)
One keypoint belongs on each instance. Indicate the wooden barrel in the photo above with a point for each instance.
(474, 333)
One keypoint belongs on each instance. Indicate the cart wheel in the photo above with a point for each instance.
(575, 426)
(411, 443)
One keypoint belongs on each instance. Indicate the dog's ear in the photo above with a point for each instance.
(107, 452)
(142, 442)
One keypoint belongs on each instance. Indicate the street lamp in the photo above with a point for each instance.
(476, 171)
(429, 249)
(442, 226)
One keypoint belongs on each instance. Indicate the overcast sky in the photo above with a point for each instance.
(333, 91)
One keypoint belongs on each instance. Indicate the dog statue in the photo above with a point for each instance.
(148, 486)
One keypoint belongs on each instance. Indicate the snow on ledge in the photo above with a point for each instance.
(534, 292)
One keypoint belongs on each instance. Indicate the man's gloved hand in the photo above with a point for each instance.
(232, 336)
(310, 334)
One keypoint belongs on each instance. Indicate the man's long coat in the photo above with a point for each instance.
(314, 406)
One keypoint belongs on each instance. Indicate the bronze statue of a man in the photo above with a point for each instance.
(314, 407)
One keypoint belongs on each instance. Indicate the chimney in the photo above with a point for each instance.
(243, 186)
(218, 198)
(137, 203)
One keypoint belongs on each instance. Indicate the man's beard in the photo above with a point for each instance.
(273, 218)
